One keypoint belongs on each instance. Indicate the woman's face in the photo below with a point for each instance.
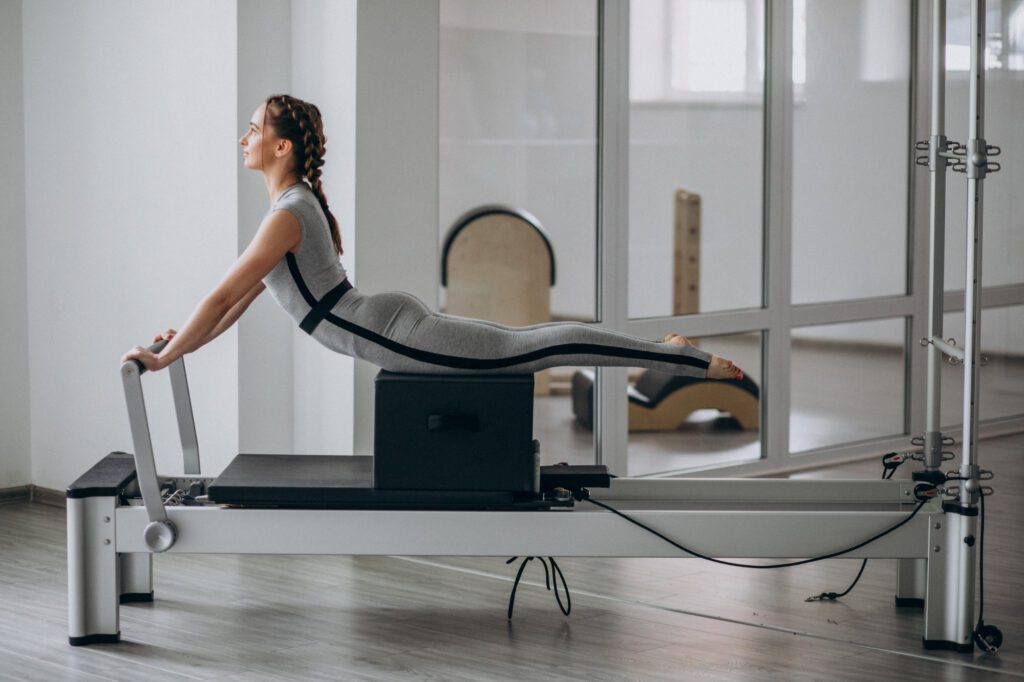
(258, 144)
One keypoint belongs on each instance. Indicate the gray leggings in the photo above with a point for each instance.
(398, 333)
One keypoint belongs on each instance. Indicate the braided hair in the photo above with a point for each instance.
(300, 123)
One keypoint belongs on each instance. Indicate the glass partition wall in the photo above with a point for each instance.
(741, 173)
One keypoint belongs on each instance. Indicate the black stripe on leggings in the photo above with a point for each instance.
(498, 363)
(457, 362)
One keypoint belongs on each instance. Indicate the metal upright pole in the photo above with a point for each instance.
(965, 514)
(937, 145)
(977, 166)
(911, 574)
(949, 610)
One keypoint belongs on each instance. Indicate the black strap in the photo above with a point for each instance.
(318, 312)
(293, 268)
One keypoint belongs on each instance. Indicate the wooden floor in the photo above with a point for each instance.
(388, 618)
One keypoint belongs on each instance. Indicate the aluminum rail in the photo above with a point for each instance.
(585, 531)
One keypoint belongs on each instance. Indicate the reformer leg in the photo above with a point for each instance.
(949, 602)
(94, 586)
(911, 582)
(136, 577)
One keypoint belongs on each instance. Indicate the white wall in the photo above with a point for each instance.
(137, 204)
(15, 463)
(131, 217)
(294, 394)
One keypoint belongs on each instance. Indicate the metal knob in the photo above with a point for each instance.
(160, 535)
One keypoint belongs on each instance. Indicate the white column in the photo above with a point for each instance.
(323, 65)
(265, 378)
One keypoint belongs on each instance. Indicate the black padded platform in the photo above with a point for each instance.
(108, 477)
(327, 481)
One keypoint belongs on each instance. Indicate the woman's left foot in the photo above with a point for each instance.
(720, 368)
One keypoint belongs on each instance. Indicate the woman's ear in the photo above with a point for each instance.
(283, 148)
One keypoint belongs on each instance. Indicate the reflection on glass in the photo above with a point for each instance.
(847, 383)
(563, 418)
(1004, 91)
(850, 159)
(695, 159)
(1004, 29)
(518, 128)
(1001, 379)
(679, 424)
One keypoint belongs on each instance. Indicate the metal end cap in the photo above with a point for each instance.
(160, 535)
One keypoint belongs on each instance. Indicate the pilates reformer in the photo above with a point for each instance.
(122, 512)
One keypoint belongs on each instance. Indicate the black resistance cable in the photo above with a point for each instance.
(890, 463)
(988, 637)
(584, 495)
(555, 574)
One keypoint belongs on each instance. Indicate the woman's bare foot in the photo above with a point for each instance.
(720, 368)
(676, 339)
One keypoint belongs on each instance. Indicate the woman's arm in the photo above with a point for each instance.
(278, 234)
(236, 312)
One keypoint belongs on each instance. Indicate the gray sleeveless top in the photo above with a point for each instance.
(316, 258)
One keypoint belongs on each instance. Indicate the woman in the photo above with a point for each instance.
(295, 254)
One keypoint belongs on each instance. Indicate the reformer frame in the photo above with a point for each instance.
(117, 517)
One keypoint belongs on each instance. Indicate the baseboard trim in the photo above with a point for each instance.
(33, 493)
(47, 496)
(19, 493)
